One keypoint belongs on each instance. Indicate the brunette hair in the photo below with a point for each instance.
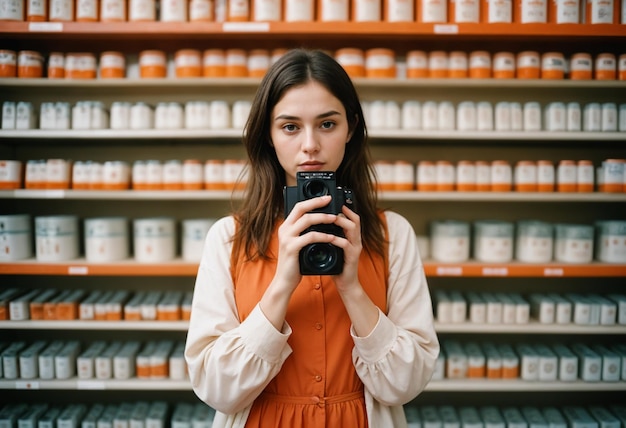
(263, 203)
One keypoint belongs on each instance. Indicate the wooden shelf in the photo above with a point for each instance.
(130, 267)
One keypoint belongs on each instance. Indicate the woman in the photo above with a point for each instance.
(269, 347)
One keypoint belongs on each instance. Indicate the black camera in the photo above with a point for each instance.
(320, 258)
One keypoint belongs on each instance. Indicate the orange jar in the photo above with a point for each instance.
(581, 66)
(622, 67)
(214, 63)
(438, 64)
(258, 62)
(152, 64)
(466, 176)
(416, 64)
(445, 176)
(479, 65)
(457, 65)
(352, 60)
(528, 65)
(380, 62)
(525, 176)
(552, 66)
(501, 176)
(36, 10)
(545, 176)
(29, 64)
(8, 63)
(605, 67)
(236, 63)
(112, 65)
(187, 63)
(566, 175)
(504, 65)
(585, 176)
(56, 65)
(81, 65)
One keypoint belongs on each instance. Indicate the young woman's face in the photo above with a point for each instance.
(309, 130)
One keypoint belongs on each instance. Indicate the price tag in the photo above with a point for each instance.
(90, 384)
(26, 385)
(553, 272)
(449, 270)
(495, 271)
(78, 270)
(246, 27)
(45, 27)
(446, 29)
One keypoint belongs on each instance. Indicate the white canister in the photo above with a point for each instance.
(411, 115)
(56, 238)
(534, 241)
(574, 243)
(106, 239)
(154, 239)
(194, 233)
(450, 241)
(493, 241)
(15, 237)
(611, 241)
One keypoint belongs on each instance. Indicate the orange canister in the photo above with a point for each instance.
(621, 67)
(29, 64)
(525, 176)
(438, 64)
(56, 65)
(601, 11)
(479, 65)
(605, 67)
(236, 63)
(8, 63)
(36, 10)
(416, 64)
(466, 176)
(80, 65)
(497, 11)
(528, 65)
(501, 176)
(237, 10)
(566, 175)
(152, 64)
(214, 63)
(457, 65)
(581, 66)
(585, 176)
(258, 62)
(380, 62)
(552, 66)
(352, 60)
(546, 176)
(112, 65)
(188, 63)
(564, 11)
(503, 65)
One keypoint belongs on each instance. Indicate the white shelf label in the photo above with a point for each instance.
(78, 270)
(446, 29)
(26, 385)
(45, 27)
(495, 271)
(449, 270)
(90, 384)
(246, 27)
(553, 272)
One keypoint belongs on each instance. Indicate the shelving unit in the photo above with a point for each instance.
(418, 207)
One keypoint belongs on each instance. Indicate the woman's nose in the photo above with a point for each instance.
(310, 142)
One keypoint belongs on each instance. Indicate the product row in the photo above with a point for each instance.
(425, 11)
(106, 239)
(491, 416)
(531, 362)
(138, 414)
(358, 63)
(410, 115)
(452, 307)
(530, 241)
(19, 304)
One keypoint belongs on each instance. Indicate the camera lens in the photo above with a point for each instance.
(320, 257)
(314, 188)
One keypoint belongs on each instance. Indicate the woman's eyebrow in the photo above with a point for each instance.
(319, 116)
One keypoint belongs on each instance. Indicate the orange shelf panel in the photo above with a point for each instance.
(432, 269)
(167, 30)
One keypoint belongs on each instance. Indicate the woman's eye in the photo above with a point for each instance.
(328, 124)
(290, 127)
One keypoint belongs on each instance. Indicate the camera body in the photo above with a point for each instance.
(320, 258)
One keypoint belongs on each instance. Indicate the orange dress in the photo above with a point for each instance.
(317, 385)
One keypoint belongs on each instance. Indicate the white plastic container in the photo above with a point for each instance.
(106, 239)
(493, 241)
(56, 238)
(611, 241)
(194, 234)
(450, 241)
(534, 242)
(154, 239)
(16, 237)
(574, 243)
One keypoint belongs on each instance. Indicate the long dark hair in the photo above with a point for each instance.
(263, 202)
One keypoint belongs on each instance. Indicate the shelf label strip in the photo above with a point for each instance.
(45, 27)
(77, 270)
(26, 385)
(90, 384)
(246, 27)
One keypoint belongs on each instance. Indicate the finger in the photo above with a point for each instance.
(303, 207)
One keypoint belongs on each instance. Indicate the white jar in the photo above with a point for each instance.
(106, 239)
(220, 115)
(493, 241)
(120, 115)
(141, 116)
(411, 115)
(611, 241)
(15, 237)
(241, 111)
(194, 234)
(197, 115)
(534, 242)
(56, 238)
(450, 241)
(154, 239)
(466, 116)
(574, 243)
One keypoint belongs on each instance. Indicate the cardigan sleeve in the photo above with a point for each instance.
(396, 360)
(229, 362)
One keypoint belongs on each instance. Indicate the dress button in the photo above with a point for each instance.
(317, 286)
(315, 400)
(318, 378)
(318, 326)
